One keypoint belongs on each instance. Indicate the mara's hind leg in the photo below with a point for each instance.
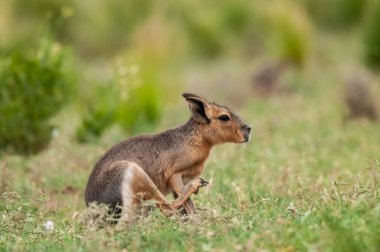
(136, 185)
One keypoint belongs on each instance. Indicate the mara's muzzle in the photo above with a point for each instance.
(246, 131)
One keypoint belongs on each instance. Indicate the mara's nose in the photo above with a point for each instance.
(248, 128)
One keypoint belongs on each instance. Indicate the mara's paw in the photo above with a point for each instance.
(203, 182)
(198, 183)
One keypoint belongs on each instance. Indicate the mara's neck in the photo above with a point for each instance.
(195, 134)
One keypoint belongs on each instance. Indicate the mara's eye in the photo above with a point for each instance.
(224, 118)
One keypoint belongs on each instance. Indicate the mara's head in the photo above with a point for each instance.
(219, 124)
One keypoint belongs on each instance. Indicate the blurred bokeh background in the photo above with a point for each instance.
(124, 62)
(77, 77)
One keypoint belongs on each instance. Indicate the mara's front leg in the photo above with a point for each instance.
(177, 186)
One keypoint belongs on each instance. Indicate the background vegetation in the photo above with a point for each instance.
(77, 77)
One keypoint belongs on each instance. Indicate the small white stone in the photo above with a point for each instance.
(49, 225)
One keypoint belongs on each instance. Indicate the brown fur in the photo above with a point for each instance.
(167, 162)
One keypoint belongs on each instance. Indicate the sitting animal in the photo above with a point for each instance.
(152, 166)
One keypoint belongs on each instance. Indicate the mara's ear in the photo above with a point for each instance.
(188, 95)
(199, 107)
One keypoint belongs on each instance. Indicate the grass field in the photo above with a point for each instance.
(307, 181)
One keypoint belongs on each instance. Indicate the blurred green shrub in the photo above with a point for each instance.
(33, 15)
(372, 35)
(204, 32)
(141, 108)
(41, 8)
(100, 113)
(335, 14)
(213, 28)
(33, 88)
(141, 76)
(290, 32)
(236, 16)
(130, 100)
(208, 29)
(132, 97)
(106, 26)
(92, 27)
